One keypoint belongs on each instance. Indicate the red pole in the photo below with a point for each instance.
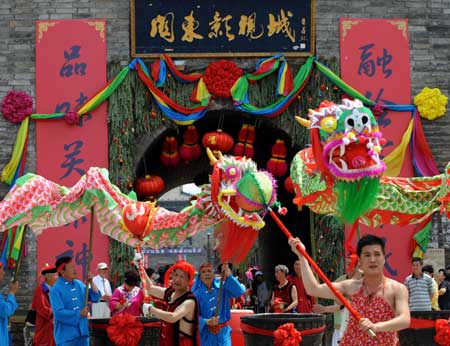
(319, 271)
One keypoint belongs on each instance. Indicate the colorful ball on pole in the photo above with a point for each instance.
(256, 191)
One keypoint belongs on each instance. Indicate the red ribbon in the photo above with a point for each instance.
(254, 330)
(418, 323)
(442, 327)
(103, 326)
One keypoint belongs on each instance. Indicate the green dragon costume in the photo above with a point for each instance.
(341, 173)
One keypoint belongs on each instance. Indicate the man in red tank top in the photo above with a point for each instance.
(381, 302)
(180, 317)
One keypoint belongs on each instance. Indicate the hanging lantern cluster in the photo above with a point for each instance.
(246, 137)
(218, 141)
(169, 155)
(277, 164)
(149, 187)
(190, 149)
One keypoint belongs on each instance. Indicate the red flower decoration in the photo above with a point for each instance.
(282, 211)
(277, 305)
(377, 110)
(16, 106)
(287, 335)
(220, 76)
(442, 336)
(125, 330)
(71, 118)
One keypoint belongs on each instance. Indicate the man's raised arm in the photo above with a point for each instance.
(313, 288)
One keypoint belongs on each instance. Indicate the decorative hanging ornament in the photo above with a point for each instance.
(16, 106)
(277, 164)
(220, 76)
(149, 186)
(190, 149)
(218, 141)
(431, 103)
(169, 155)
(246, 137)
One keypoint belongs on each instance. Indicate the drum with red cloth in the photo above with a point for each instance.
(427, 328)
(237, 338)
(261, 329)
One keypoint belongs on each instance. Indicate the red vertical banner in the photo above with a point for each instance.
(70, 68)
(374, 55)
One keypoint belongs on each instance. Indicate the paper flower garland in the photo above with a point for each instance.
(16, 106)
(431, 103)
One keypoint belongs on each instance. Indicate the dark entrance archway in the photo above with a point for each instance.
(272, 246)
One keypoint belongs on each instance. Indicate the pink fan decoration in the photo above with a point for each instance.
(16, 106)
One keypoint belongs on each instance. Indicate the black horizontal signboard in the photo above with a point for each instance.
(222, 28)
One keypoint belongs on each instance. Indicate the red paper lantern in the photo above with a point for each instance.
(218, 141)
(243, 149)
(279, 149)
(149, 186)
(247, 133)
(246, 137)
(190, 135)
(278, 167)
(169, 156)
(190, 150)
(277, 164)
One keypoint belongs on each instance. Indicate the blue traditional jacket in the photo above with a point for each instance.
(207, 307)
(8, 306)
(67, 299)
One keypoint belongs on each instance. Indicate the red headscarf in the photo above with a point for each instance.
(184, 266)
(205, 265)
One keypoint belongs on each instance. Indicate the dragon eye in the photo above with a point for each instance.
(351, 122)
(328, 124)
(231, 172)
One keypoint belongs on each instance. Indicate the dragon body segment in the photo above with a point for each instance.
(39, 203)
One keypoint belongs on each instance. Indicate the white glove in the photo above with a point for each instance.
(146, 309)
(137, 258)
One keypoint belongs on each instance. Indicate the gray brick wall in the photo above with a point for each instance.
(429, 31)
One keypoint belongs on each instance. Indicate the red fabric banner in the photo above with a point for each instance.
(70, 68)
(374, 56)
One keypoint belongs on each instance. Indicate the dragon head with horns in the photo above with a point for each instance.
(346, 145)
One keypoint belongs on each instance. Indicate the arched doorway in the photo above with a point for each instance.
(272, 247)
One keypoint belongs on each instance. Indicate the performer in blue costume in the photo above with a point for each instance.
(8, 306)
(67, 301)
(215, 331)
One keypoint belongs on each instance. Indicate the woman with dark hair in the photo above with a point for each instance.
(444, 289)
(128, 297)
